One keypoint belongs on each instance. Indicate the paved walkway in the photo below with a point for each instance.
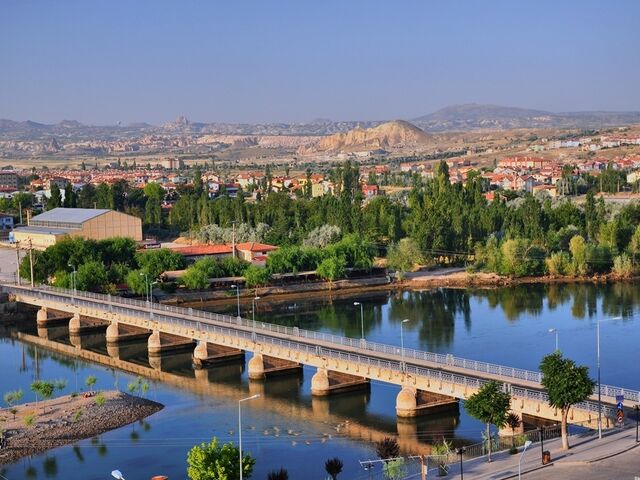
(586, 451)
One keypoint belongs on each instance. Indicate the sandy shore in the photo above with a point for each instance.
(57, 421)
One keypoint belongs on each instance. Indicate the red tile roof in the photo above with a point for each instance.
(255, 247)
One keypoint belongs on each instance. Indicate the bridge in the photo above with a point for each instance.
(428, 381)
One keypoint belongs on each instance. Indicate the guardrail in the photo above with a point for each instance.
(198, 319)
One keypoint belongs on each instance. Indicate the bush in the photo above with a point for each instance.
(559, 263)
(623, 266)
(322, 236)
(256, 276)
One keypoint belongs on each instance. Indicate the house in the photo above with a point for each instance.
(254, 252)
(370, 190)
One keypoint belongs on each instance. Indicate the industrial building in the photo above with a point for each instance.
(47, 228)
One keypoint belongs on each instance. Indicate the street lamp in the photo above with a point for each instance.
(402, 343)
(554, 330)
(253, 311)
(526, 445)
(237, 288)
(73, 279)
(252, 397)
(460, 451)
(361, 318)
(151, 290)
(117, 474)
(599, 384)
(146, 285)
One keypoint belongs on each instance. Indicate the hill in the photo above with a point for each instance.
(395, 134)
(474, 116)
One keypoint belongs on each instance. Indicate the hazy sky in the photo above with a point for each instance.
(257, 61)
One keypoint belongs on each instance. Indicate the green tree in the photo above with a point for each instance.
(11, 399)
(578, 248)
(634, 244)
(43, 389)
(55, 200)
(566, 384)
(490, 405)
(196, 278)
(402, 256)
(331, 269)
(92, 276)
(70, 197)
(213, 462)
(156, 262)
(514, 422)
(255, 276)
(333, 467)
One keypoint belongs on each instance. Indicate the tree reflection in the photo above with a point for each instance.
(50, 467)
(78, 453)
(433, 313)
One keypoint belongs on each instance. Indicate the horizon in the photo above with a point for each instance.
(106, 63)
(315, 120)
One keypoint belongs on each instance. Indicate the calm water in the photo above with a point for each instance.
(286, 427)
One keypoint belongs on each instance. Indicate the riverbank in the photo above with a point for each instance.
(460, 277)
(64, 420)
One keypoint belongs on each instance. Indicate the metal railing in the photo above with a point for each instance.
(239, 327)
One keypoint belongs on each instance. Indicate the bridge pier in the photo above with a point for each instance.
(120, 333)
(412, 402)
(46, 317)
(327, 382)
(261, 366)
(210, 354)
(80, 324)
(160, 343)
(52, 333)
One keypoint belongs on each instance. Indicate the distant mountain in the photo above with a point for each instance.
(398, 133)
(474, 116)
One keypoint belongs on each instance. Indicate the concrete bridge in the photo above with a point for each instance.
(428, 381)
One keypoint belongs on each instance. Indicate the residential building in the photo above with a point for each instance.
(8, 181)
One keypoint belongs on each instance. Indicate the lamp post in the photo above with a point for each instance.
(554, 330)
(240, 426)
(253, 311)
(526, 445)
(146, 285)
(361, 318)
(73, 279)
(460, 451)
(402, 343)
(237, 288)
(151, 290)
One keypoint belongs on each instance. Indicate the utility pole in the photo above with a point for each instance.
(31, 261)
(233, 239)
(18, 263)
(20, 208)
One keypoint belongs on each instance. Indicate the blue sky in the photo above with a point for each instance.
(257, 61)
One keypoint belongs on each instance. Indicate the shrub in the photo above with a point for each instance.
(623, 266)
(559, 263)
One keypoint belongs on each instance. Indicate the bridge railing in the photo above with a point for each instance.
(154, 311)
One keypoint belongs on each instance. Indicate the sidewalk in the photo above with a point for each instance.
(585, 448)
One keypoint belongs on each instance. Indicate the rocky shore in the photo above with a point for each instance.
(37, 428)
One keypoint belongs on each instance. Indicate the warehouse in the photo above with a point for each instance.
(47, 228)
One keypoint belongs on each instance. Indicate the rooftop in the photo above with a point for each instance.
(70, 215)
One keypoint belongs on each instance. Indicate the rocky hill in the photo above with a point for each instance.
(396, 134)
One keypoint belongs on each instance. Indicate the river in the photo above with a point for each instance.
(285, 427)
